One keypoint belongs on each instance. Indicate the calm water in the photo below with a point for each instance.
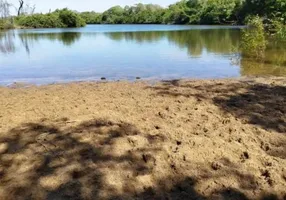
(116, 52)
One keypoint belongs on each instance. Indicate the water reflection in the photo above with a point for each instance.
(274, 62)
(219, 41)
(66, 38)
(210, 53)
(8, 39)
(7, 42)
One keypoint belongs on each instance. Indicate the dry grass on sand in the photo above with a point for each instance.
(197, 139)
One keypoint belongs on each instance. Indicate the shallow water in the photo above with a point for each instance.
(118, 52)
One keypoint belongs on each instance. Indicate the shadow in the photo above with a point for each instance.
(263, 105)
(260, 104)
(102, 159)
(257, 104)
(185, 190)
(56, 161)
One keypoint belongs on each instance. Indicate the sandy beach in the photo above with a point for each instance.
(187, 139)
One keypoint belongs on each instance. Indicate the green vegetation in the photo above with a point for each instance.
(191, 12)
(139, 14)
(268, 9)
(70, 18)
(182, 12)
(58, 19)
(6, 24)
(253, 39)
(279, 30)
(263, 47)
(91, 17)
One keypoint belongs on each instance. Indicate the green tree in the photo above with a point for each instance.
(253, 39)
(219, 11)
(176, 14)
(58, 19)
(267, 8)
(91, 17)
(113, 15)
(70, 18)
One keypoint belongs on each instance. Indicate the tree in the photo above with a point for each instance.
(70, 18)
(5, 21)
(219, 11)
(175, 14)
(113, 15)
(91, 17)
(20, 7)
(4, 9)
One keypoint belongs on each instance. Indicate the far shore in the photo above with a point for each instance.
(179, 139)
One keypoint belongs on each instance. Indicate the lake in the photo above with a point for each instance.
(124, 52)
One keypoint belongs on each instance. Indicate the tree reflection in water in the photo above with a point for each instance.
(195, 42)
(7, 42)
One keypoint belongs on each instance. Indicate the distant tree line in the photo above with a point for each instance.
(182, 12)
(191, 12)
(63, 18)
(26, 17)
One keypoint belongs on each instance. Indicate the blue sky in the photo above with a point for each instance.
(87, 5)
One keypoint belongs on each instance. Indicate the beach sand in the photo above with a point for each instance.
(187, 139)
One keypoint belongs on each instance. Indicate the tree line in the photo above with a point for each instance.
(27, 18)
(191, 12)
(63, 18)
(182, 12)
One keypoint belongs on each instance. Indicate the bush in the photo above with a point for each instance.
(279, 30)
(6, 24)
(2, 22)
(91, 17)
(40, 21)
(253, 38)
(70, 18)
(58, 19)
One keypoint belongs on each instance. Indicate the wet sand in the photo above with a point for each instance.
(188, 139)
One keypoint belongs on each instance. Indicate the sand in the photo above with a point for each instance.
(187, 139)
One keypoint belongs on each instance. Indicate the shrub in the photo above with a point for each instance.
(91, 17)
(40, 21)
(70, 18)
(6, 24)
(253, 38)
(279, 30)
(58, 19)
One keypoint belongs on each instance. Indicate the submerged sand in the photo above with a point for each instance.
(190, 139)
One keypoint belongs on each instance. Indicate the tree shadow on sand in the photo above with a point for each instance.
(91, 160)
(261, 105)
(55, 161)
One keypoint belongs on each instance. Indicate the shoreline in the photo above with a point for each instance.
(178, 139)
(152, 80)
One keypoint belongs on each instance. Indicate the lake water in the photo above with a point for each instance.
(118, 52)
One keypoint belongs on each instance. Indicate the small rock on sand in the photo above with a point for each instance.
(284, 174)
(216, 166)
(3, 147)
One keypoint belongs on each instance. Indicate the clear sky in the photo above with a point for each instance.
(86, 5)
